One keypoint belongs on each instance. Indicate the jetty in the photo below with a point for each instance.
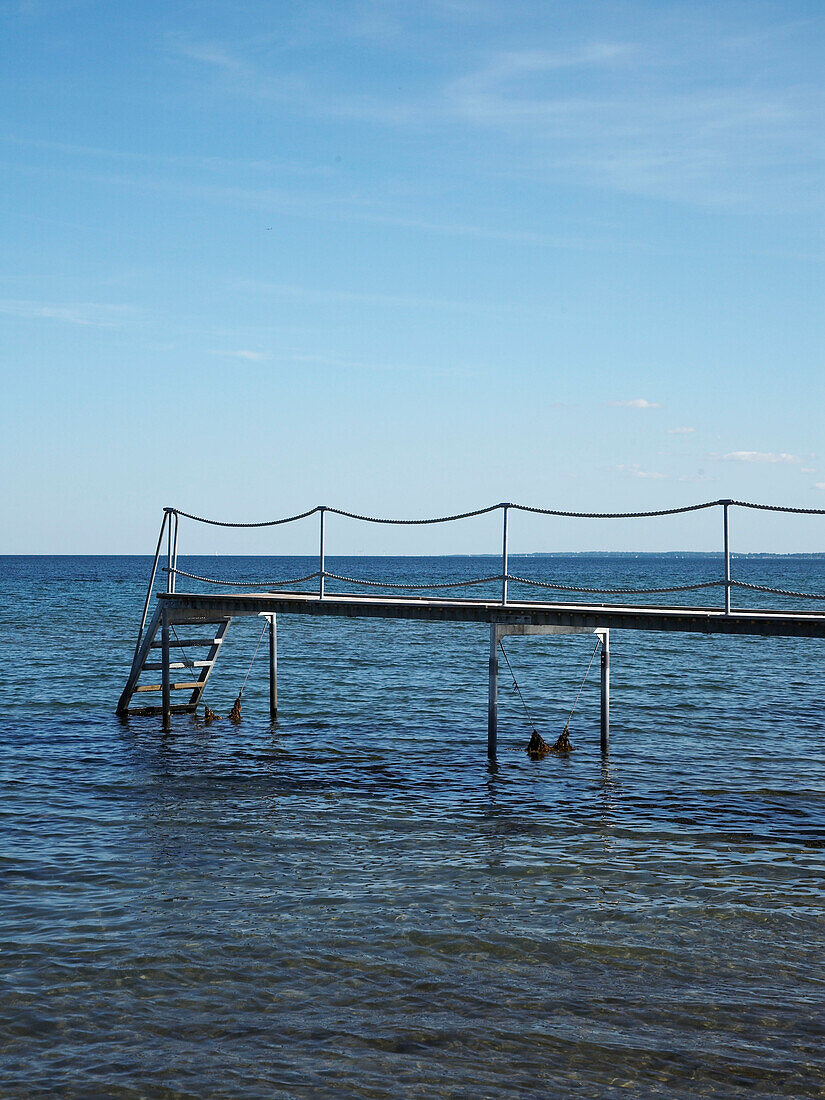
(183, 622)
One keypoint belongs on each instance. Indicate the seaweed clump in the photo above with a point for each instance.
(539, 747)
(234, 715)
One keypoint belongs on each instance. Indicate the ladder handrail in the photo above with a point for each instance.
(147, 601)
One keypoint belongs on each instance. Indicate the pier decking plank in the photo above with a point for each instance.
(187, 608)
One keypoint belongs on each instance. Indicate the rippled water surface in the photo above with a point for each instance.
(352, 902)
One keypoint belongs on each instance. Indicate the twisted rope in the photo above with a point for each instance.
(241, 584)
(581, 685)
(527, 713)
(409, 522)
(187, 662)
(778, 591)
(615, 591)
(776, 508)
(617, 515)
(497, 577)
(225, 523)
(410, 587)
(517, 507)
(251, 663)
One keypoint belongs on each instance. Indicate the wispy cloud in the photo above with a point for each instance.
(633, 469)
(628, 114)
(723, 140)
(353, 297)
(215, 164)
(240, 353)
(215, 54)
(93, 314)
(339, 363)
(176, 177)
(819, 485)
(496, 94)
(758, 456)
(636, 403)
(680, 431)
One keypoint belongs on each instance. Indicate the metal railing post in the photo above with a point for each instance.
(166, 697)
(504, 553)
(321, 568)
(726, 531)
(170, 585)
(148, 599)
(173, 573)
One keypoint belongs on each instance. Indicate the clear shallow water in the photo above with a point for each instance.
(351, 902)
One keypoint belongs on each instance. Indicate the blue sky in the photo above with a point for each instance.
(409, 259)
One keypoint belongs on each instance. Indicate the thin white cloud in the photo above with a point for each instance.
(309, 202)
(680, 431)
(356, 364)
(722, 142)
(93, 314)
(240, 353)
(264, 165)
(807, 470)
(631, 116)
(350, 297)
(636, 403)
(758, 456)
(214, 54)
(819, 485)
(633, 469)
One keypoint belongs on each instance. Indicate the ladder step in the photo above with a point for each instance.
(156, 666)
(174, 644)
(174, 687)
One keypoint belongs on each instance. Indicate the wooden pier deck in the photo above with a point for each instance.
(189, 607)
(195, 611)
(208, 614)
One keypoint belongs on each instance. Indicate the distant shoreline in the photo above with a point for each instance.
(616, 554)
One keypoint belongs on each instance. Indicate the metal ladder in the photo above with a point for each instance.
(194, 684)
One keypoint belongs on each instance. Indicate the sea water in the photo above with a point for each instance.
(351, 901)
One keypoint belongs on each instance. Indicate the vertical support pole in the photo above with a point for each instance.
(492, 696)
(322, 512)
(273, 668)
(148, 599)
(504, 564)
(169, 574)
(165, 687)
(604, 725)
(726, 529)
(172, 576)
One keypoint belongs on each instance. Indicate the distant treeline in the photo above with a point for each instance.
(817, 556)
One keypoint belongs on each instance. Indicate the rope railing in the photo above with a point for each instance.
(494, 577)
(413, 522)
(496, 507)
(393, 584)
(172, 517)
(227, 523)
(779, 591)
(616, 591)
(240, 584)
